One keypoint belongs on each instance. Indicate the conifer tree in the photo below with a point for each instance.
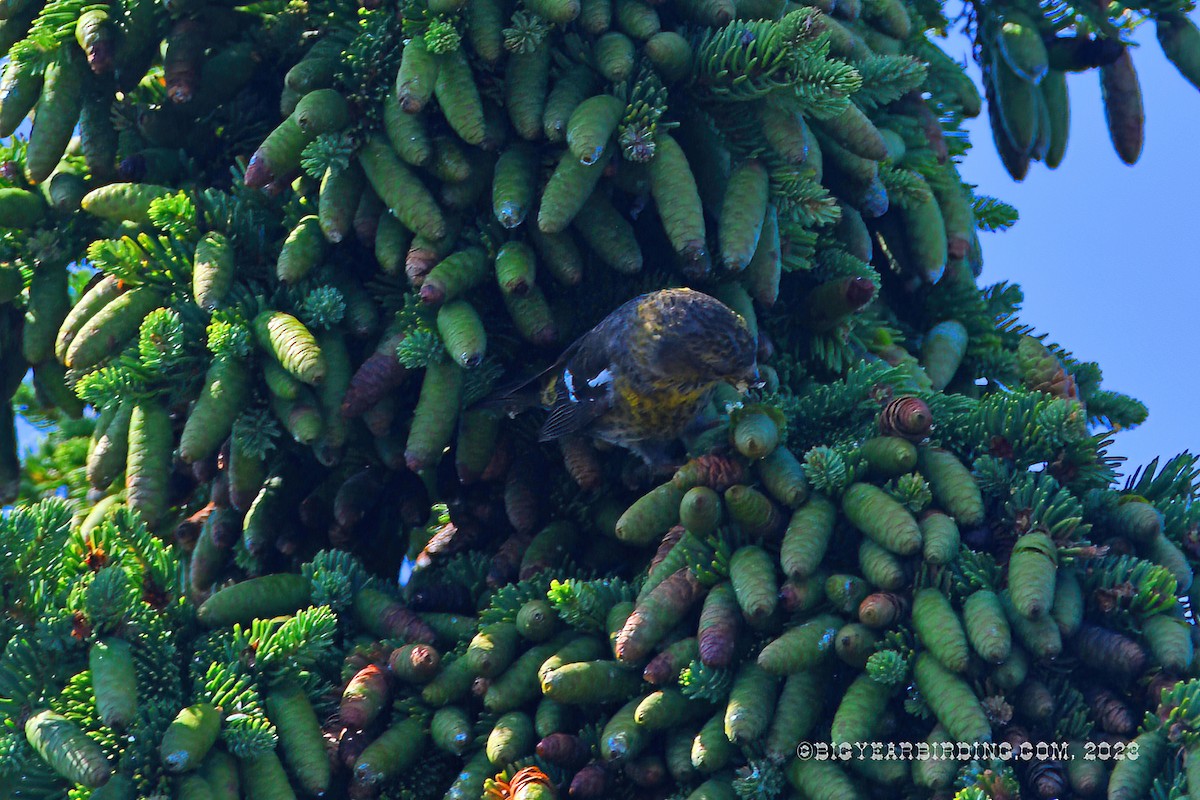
(281, 269)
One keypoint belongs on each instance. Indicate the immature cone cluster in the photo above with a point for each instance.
(292, 364)
(759, 190)
(774, 613)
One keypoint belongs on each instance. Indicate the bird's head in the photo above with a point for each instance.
(729, 356)
(702, 339)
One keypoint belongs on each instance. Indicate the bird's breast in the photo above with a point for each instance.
(660, 411)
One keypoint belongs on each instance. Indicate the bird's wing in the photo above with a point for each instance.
(515, 396)
(582, 387)
(577, 404)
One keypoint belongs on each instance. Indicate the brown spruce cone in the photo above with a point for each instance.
(521, 500)
(1123, 110)
(1109, 711)
(717, 472)
(589, 782)
(582, 462)
(563, 749)
(1048, 778)
(1110, 652)
(669, 540)
(882, 609)
(507, 561)
(907, 417)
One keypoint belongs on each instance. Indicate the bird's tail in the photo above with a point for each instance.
(513, 397)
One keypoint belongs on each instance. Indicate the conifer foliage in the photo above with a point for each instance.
(265, 262)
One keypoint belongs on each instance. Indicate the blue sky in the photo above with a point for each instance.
(1107, 254)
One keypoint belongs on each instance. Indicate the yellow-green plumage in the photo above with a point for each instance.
(641, 376)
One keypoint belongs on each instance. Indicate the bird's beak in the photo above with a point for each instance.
(750, 380)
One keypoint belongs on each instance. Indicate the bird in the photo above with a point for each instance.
(640, 377)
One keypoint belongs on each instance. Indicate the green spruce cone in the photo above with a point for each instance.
(1031, 574)
(458, 192)
(114, 680)
(881, 518)
(954, 488)
(939, 629)
(67, 750)
(952, 701)
(1180, 41)
(986, 626)
(189, 737)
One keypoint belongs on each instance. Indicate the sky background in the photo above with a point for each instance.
(1109, 255)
